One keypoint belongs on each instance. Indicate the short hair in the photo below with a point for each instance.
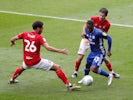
(90, 22)
(37, 24)
(104, 10)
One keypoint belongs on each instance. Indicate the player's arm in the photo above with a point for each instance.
(109, 39)
(107, 29)
(13, 39)
(83, 31)
(53, 49)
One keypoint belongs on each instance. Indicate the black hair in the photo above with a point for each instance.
(90, 22)
(37, 24)
(104, 10)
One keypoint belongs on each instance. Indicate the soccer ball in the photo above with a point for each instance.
(87, 80)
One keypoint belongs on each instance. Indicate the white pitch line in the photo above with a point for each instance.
(54, 17)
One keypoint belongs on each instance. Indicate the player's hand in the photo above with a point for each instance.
(64, 51)
(109, 53)
(12, 43)
(83, 35)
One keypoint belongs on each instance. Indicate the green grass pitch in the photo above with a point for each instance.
(40, 85)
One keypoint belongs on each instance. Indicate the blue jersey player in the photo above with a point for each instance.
(98, 52)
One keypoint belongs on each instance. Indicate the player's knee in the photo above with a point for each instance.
(106, 61)
(80, 57)
(94, 69)
(55, 67)
(58, 67)
(22, 68)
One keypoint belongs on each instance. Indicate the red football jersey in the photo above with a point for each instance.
(31, 47)
(104, 26)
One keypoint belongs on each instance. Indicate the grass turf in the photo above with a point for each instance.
(36, 84)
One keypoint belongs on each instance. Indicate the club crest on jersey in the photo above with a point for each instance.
(104, 27)
(104, 34)
(92, 37)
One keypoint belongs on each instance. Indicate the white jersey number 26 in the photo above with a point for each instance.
(30, 46)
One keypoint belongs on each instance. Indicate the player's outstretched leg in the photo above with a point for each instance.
(104, 73)
(84, 46)
(63, 77)
(86, 72)
(77, 65)
(109, 66)
(17, 72)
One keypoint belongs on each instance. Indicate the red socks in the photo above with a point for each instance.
(18, 71)
(63, 77)
(59, 73)
(109, 66)
(77, 64)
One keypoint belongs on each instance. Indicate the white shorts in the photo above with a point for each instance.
(84, 46)
(44, 64)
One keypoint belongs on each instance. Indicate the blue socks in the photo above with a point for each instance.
(102, 72)
(86, 71)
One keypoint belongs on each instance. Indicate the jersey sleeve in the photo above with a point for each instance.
(92, 18)
(107, 28)
(21, 35)
(101, 33)
(42, 40)
(107, 37)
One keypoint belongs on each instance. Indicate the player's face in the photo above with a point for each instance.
(102, 16)
(90, 28)
(40, 30)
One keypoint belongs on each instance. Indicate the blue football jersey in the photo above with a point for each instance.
(96, 40)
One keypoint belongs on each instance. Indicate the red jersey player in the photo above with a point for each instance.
(103, 24)
(32, 41)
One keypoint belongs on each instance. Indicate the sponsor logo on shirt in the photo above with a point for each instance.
(31, 36)
(28, 57)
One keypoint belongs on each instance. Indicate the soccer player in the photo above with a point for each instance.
(103, 24)
(97, 54)
(32, 41)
